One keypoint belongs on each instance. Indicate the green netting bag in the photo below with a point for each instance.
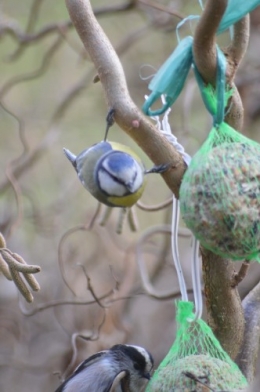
(220, 193)
(196, 359)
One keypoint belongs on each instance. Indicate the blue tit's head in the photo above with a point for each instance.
(120, 177)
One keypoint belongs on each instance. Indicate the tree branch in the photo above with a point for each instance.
(204, 46)
(112, 77)
(223, 301)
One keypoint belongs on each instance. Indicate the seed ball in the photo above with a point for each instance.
(220, 200)
(215, 373)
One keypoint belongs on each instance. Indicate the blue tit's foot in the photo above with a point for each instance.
(158, 169)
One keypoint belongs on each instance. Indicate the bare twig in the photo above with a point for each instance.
(7, 26)
(91, 336)
(57, 303)
(156, 207)
(238, 277)
(132, 219)
(32, 20)
(249, 351)
(36, 73)
(91, 288)
(150, 290)
(86, 227)
(162, 8)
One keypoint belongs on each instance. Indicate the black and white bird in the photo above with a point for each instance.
(122, 368)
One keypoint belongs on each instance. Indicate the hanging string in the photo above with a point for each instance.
(165, 128)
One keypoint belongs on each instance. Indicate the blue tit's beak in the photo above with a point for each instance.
(130, 186)
(147, 376)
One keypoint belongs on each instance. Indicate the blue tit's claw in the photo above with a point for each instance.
(158, 169)
(110, 121)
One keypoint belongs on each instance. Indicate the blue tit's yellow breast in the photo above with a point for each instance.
(128, 200)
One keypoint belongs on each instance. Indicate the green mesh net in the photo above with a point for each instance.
(195, 360)
(220, 194)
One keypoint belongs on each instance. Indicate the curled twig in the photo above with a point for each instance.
(165, 229)
(86, 227)
(91, 288)
(90, 336)
(155, 207)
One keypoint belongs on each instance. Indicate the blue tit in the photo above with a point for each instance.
(112, 173)
(122, 368)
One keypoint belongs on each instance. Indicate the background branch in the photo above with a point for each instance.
(249, 351)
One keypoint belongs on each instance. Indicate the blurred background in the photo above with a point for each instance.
(49, 101)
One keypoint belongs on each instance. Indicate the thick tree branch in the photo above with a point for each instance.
(236, 50)
(204, 46)
(204, 49)
(112, 77)
(225, 313)
(234, 54)
(223, 302)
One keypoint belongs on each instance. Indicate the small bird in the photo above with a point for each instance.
(122, 368)
(111, 171)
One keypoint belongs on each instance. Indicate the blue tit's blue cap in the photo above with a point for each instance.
(118, 161)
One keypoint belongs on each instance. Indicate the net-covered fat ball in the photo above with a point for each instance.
(220, 199)
(213, 372)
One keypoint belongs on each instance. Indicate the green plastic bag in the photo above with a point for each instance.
(170, 78)
(236, 10)
(220, 193)
(196, 358)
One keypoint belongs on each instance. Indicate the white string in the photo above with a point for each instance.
(175, 248)
(165, 128)
(196, 281)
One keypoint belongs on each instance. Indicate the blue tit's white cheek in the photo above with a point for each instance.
(125, 169)
(110, 186)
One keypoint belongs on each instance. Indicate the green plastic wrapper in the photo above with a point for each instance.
(220, 193)
(196, 358)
